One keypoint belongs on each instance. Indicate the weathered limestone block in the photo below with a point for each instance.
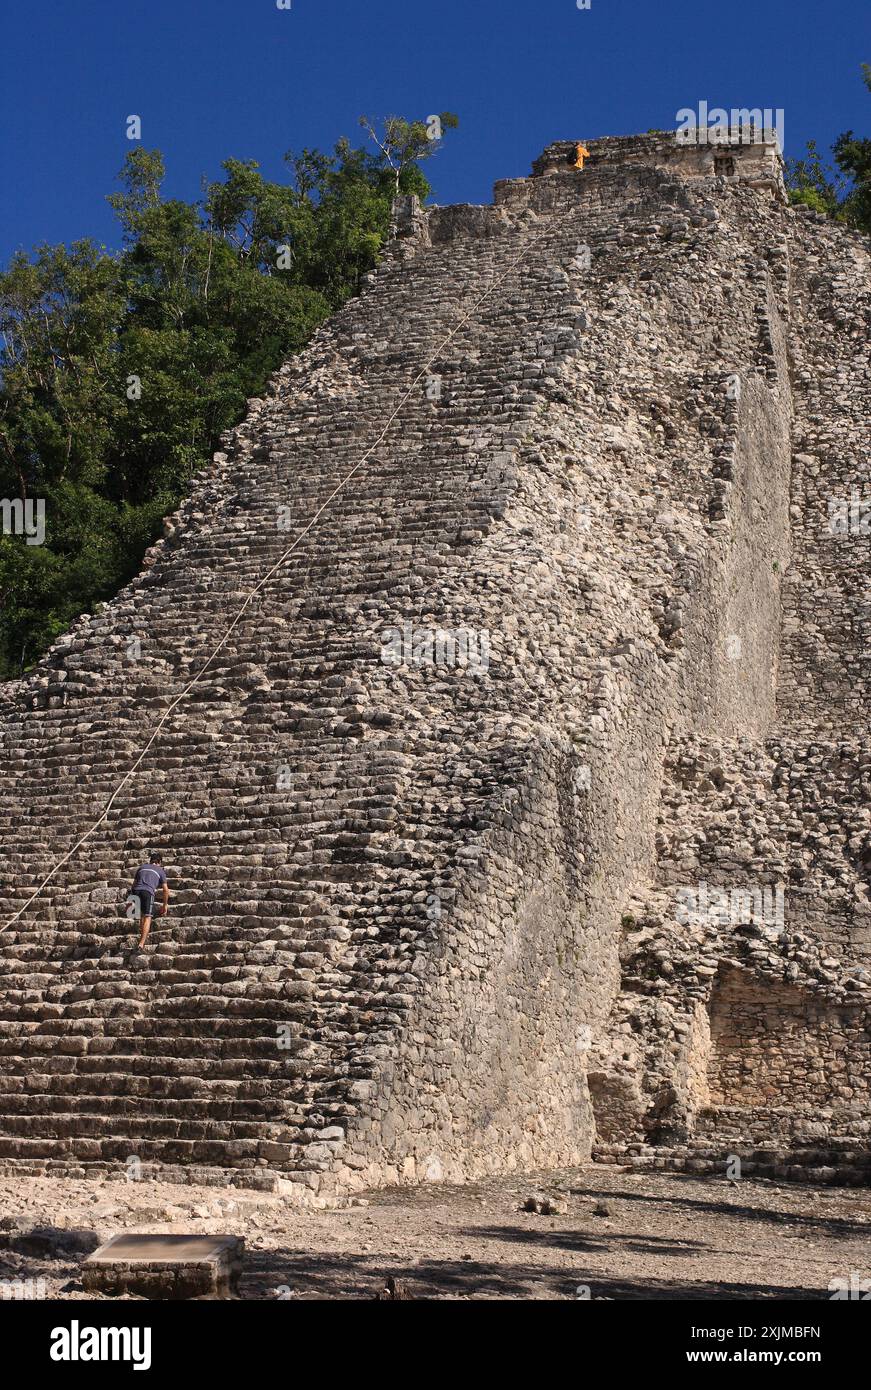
(166, 1267)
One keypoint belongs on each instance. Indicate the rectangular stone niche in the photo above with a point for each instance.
(166, 1267)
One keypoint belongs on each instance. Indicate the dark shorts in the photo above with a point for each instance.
(146, 901)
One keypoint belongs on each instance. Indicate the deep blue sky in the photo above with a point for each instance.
(214, 78)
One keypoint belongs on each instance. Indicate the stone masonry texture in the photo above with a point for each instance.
(525, 812)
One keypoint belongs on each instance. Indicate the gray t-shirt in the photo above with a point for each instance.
(150, 876)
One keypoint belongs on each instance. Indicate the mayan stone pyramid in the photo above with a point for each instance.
(510, 671)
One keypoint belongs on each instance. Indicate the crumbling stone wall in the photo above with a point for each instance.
(772, 1044)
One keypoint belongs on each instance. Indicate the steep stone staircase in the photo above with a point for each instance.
(297, 907)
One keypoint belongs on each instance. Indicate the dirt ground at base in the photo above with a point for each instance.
(616, 1235)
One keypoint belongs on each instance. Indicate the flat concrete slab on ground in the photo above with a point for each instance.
(166, 1266)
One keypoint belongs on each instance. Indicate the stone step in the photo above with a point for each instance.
(164, 1123)
(116, 1149)
(230, 1055)
(830, 1165)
